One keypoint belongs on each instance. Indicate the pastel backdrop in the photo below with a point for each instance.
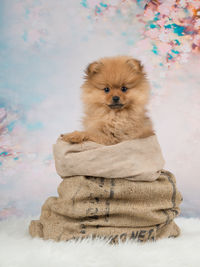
(44, 48)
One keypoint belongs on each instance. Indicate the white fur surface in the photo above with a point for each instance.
(18, 249)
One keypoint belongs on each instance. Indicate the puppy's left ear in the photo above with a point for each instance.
(93, 68)
(135, 64)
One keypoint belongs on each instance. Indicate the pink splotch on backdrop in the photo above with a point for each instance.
(44, 48)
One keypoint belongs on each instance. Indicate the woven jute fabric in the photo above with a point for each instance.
(140, 204)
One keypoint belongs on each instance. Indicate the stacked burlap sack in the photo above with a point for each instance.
(118, 192)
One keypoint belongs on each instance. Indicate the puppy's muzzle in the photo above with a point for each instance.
(116, 103)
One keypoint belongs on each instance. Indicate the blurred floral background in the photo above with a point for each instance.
(44, 49)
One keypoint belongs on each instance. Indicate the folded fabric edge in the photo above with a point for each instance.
(85, 159)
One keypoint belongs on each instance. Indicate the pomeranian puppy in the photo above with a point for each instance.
(115, 94)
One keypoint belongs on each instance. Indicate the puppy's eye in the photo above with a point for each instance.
(124, 89)
(106, 90)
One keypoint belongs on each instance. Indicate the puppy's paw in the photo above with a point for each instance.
(74, 138)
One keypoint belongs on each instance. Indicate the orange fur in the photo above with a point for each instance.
(104, 121)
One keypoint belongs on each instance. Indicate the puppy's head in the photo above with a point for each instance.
(115, 83)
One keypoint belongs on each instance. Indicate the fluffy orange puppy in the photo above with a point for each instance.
(115, 94)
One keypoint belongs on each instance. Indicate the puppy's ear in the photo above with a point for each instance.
(135, 64)
(93, 68)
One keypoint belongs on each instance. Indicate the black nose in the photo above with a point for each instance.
(115, 98)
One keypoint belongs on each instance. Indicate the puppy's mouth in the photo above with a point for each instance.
(116, 106)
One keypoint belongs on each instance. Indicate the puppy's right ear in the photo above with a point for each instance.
(135, 64)
(92, 69)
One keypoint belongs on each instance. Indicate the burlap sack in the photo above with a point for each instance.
(118, 192)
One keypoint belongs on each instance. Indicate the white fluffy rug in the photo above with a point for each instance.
(18, 249)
